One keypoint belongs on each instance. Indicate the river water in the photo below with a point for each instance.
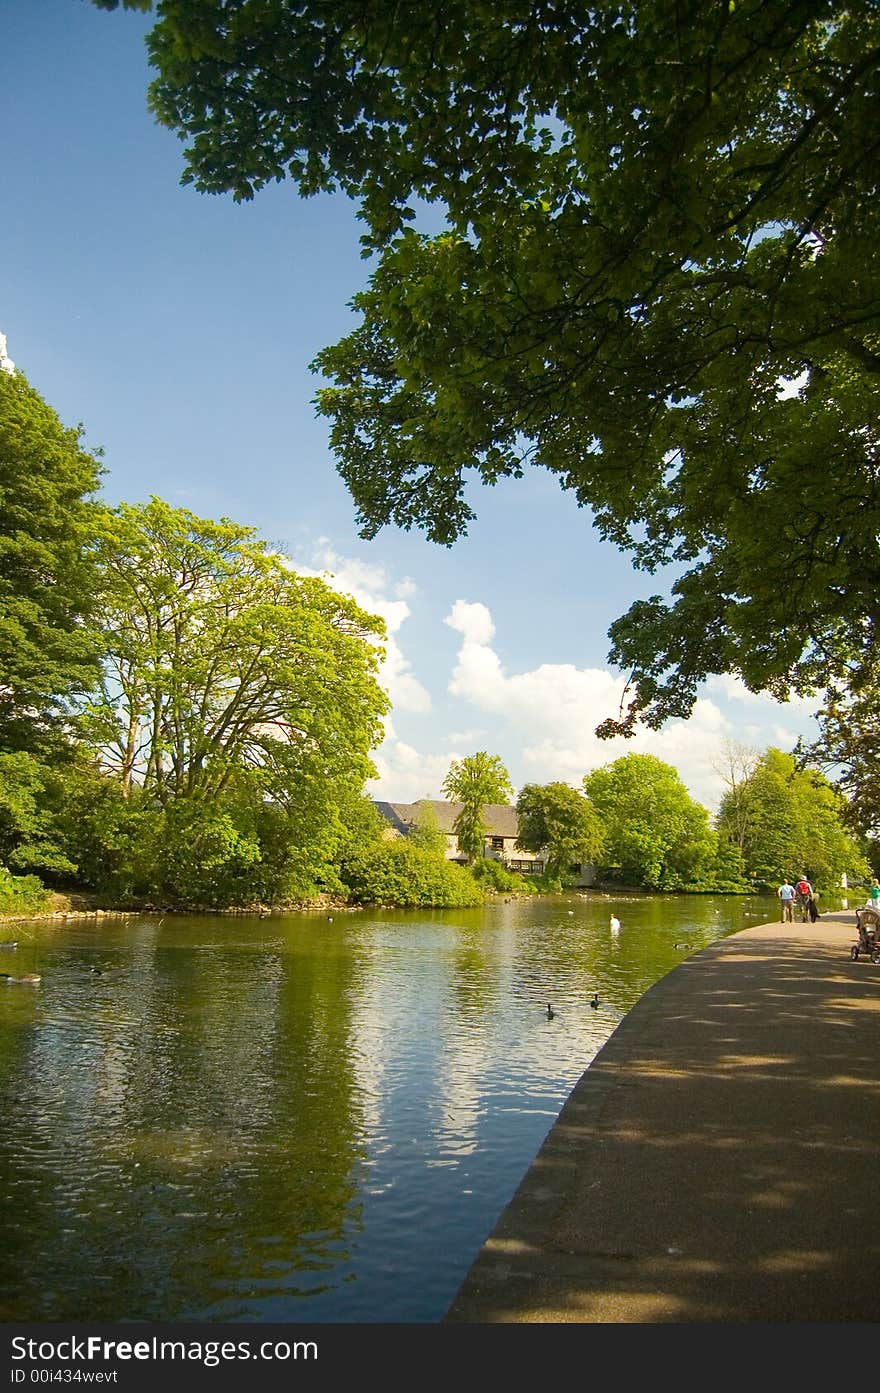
(316, 1117)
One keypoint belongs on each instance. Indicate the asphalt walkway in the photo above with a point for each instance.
(720, 1158)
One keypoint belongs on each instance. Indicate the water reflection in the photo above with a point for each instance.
(299, 1119)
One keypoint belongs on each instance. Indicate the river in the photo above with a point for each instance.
(315, 1117)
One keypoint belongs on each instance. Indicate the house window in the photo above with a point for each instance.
(497, 843)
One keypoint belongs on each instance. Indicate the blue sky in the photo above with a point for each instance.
(178, 328)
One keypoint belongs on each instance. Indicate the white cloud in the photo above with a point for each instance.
(550, 714)
(541, 721)
(404, 774)
(473, 622)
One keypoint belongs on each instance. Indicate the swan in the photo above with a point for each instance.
(595, 1001)
(550, 1012)
(615, 923)
(25, 977)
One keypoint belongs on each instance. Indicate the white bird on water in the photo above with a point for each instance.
(615, 924)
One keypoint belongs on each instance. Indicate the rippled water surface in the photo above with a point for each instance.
(306, 1118)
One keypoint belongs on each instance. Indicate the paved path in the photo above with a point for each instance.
(720, 1158)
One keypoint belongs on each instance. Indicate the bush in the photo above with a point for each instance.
(397, 873)
(235, 852)
(546, 884)
(20, 894)
(492, 875)
(111, 840)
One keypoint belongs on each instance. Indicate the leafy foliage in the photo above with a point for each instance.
(20, 894)
(222, 665)
(492, 875)
(794, 825)
(849, 747)
(656, 836)
(426, 831)
(236, 851)
(398, 873)
(231, 725)
(47, 577)
(559, 818)
(31, 792)
(475, 781)
(655, 213)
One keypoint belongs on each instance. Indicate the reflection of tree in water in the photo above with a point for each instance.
(173, 1158)
(185, 1134)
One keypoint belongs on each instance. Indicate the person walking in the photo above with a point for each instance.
(786, 900)
(803, 891)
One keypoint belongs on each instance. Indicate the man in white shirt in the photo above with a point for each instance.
(786, 901)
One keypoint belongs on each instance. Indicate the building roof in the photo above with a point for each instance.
(500, 818)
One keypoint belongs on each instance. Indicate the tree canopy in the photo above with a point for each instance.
(790, 821)
(655, 215)
(849, 748)
(559, 818)
(655, 834)
(223, 665)
(475, 781)
(47, 575)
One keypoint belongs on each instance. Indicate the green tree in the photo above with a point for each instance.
(794, 825)
(236, 711)
(849, 748)
(655, 213)
(655, 834)
(556, 817)
(362, 823)
(475, 781)
(47, 574)
(425, 830)
(736, 764)
(31, 795)
(223, 665)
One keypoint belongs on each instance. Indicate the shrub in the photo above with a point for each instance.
(492, 875)
(398, 873)
(20, 894)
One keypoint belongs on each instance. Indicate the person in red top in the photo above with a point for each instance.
(803, 894)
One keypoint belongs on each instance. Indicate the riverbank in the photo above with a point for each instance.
(718, 1160)
(65, 906)
(86, 905)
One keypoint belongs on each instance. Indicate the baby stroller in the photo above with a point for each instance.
(867, 927)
